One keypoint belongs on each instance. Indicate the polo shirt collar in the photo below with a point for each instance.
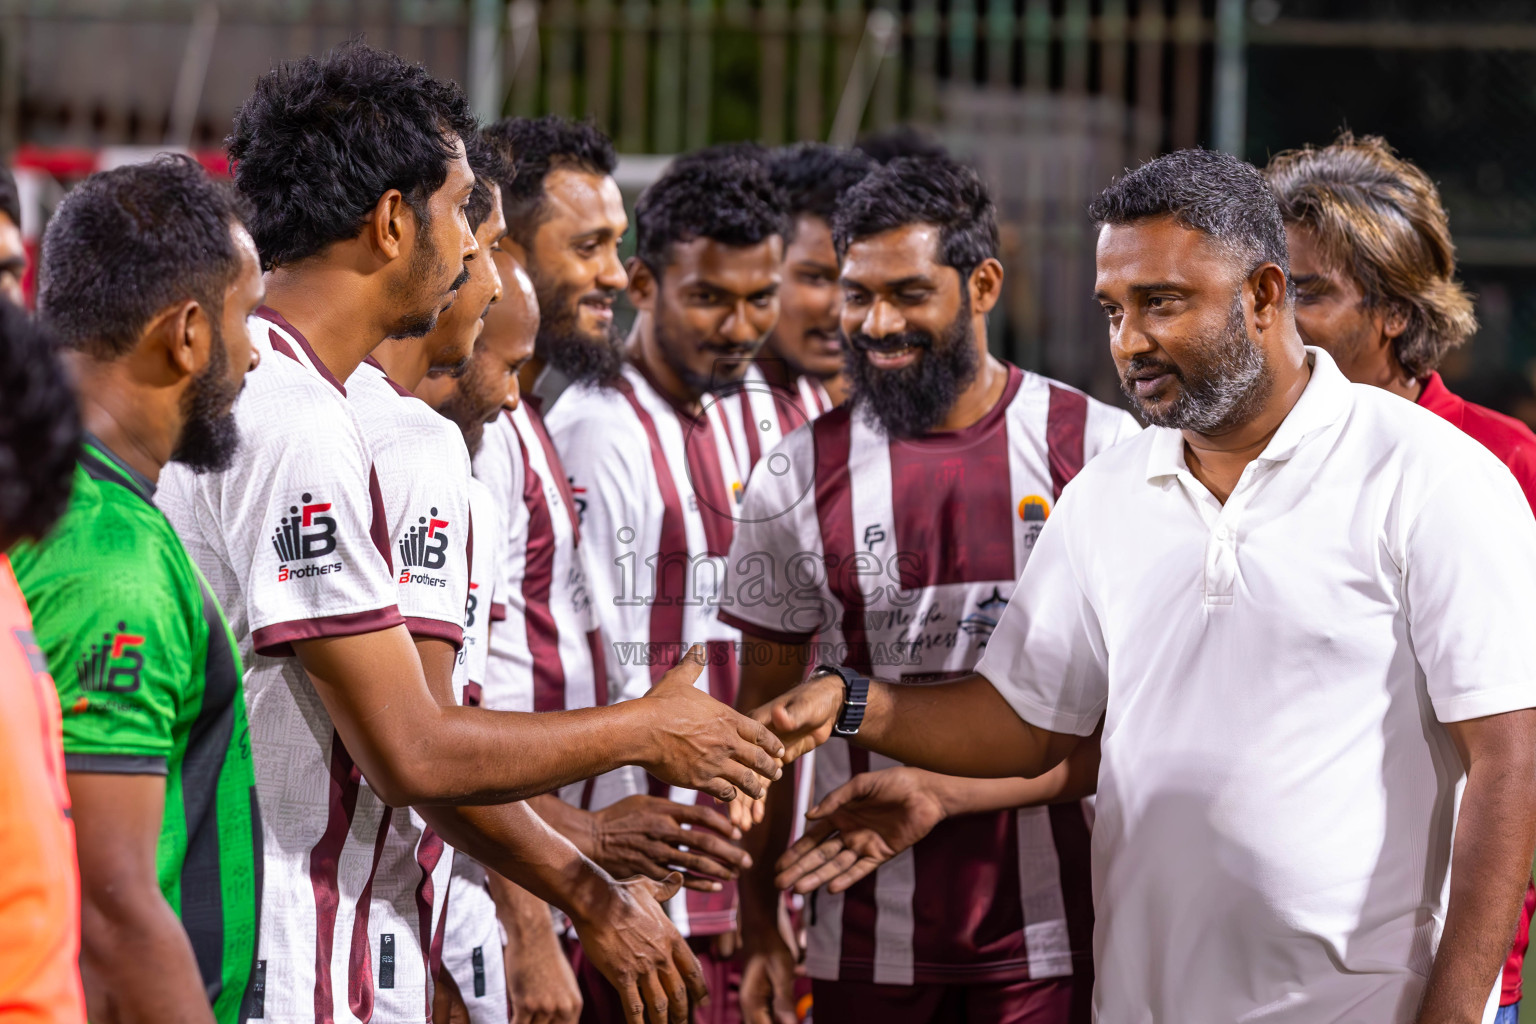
(1325, 399)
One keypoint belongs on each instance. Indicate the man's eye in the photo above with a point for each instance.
(852, 299)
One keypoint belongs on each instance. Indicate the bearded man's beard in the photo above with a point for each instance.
(1223, 380)
(562, 344)
(914, 399)
(209, 436)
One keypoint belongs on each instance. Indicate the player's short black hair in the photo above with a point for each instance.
(126, 243)
(536, 146)
(728, 200)
(903, 140)
(937, 190)
(320, 139)
(812, 176)
(492, 171)
(1215, 193)
(10, 198)
(39, 429)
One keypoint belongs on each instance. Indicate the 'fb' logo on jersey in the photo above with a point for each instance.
(873, 535)
(426, 544)
(304, 532)
(112, 665)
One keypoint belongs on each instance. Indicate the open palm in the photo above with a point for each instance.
(859, 826)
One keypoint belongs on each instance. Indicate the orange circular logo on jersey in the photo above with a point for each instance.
(1034, 509)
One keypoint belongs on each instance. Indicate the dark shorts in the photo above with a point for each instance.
(600, 1000)
(1053, 1001)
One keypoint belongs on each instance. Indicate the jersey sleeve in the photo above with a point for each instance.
(774, 571)
(609, 464)
(316, 551)
(1047, 656)
(1469, 575)
(429, 532)
(120, 630)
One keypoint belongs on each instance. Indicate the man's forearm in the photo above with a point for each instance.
(516, 843)
(1073, 779)
(475, 756)
(137, 965)
(764, 843)
(572, 822)
(1491, 855)
(527, 919)
(961, 728)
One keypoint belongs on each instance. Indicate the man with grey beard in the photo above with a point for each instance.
(1296, 607)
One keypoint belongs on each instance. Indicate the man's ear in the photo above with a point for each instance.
(182, 335)
(1268, 283)
(986, 285)
(1392, 321)
(391, 226)
(642, 284)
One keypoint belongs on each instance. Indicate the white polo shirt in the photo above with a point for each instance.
(1277, 795)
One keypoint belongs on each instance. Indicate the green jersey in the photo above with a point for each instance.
(149, 680)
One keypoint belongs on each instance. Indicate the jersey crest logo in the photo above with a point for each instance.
(1034, 509)
(304, 532)
(983, 620)
(426, 543)
(113, 665)
(873, 535)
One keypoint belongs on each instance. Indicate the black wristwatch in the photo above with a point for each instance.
(855, 697)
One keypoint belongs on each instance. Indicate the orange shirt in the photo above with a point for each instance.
(39, 878)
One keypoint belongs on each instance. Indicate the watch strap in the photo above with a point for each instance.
(855, 699)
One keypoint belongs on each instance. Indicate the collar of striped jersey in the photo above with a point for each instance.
(1326, 397)
(102, 463)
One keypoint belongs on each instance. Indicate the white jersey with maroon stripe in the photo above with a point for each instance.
(293, 541)
(760, 414)
(424, 477)
(469, 932)
(896, 558)
(658, 489)
(545, 654)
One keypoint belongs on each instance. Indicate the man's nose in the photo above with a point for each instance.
(884, 319)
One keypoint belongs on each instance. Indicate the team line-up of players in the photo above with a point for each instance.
(371, 405)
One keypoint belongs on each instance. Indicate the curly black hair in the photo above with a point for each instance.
(937, 190)
(536, 146)
(39, 430)
(126, 243)
(10, 198)
(1215, 193)
(320, 139)
(492, 170)
(728, 200)
(813, 176)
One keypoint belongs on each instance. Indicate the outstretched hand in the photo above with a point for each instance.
(803, 717)
(635, 946)
(650, 836)
(700, 743)
(859, 826)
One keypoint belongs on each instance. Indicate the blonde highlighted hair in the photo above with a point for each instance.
(1379, 217)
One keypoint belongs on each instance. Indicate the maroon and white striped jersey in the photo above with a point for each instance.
(658, 488)
(896, 557)
(760, 414)
(424, 478)
(545, 653)
(294, 542)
